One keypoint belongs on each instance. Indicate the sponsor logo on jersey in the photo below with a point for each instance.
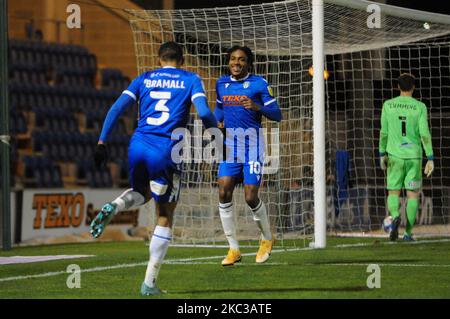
(406, 145)
(165, 84)
(232, 100)
(168, 75)
(227, 85)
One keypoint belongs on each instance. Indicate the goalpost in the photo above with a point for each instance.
(366, 46)
(5, 196)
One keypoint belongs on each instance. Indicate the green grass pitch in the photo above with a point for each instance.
(408, 270)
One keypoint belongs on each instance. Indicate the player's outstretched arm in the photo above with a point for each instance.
(201, 105)
(218, 112)
(198, 97)
(272, 111)
(101, 151)
(128, 97)
(425, 135)
(121, 104)
(383, 140)
(270, 108)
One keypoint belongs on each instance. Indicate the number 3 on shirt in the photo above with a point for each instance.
(160, 106)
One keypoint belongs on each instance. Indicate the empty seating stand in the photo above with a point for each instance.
(55, 103)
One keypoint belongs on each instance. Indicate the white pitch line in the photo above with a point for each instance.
(215, 263)
(186, 260)
(56, 273)
(384, 265)
(308, 264)
(417, 242)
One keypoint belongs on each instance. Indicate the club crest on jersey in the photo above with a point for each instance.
(246, 84)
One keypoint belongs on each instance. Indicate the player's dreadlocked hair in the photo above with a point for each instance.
(248, 52)
(406, 82)
(171, 51)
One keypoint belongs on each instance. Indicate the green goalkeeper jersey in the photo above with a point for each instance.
(404, 128)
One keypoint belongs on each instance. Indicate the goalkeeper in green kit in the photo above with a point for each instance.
(404, 128)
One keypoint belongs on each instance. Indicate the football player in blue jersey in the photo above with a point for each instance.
(164, 97)
(242, 99)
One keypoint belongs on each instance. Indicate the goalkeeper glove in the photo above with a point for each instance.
(429, 168)
(383, 161)
(100, 156)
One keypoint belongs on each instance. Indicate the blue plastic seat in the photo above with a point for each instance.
(30, 166)
(56, 180)
(90, 178)
(21, 124)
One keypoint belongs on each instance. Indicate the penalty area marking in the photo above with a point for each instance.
(199, 259)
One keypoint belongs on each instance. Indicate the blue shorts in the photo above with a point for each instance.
(152, 169)
(249, 172)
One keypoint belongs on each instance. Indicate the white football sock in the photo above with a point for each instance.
(261, 219)
(158, 248)
(229, 227)
(128, 199)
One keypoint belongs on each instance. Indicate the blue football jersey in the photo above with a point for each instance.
(165, 96)
(230, 91)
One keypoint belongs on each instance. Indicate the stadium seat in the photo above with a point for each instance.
(106, 178)
(98, 178)
(90, 179)
(56, 180)
(21, 124)
(81, 169)
(114, 79)
(88, 151)
(122, 151)
(40, 172)
(36, 138)
(113, 150)
(63, 152)
(30, 166)
(54, 152)
(43, 178)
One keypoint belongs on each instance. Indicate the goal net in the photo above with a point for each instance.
(364, 54)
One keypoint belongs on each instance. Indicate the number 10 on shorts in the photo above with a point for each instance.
(255, 167)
